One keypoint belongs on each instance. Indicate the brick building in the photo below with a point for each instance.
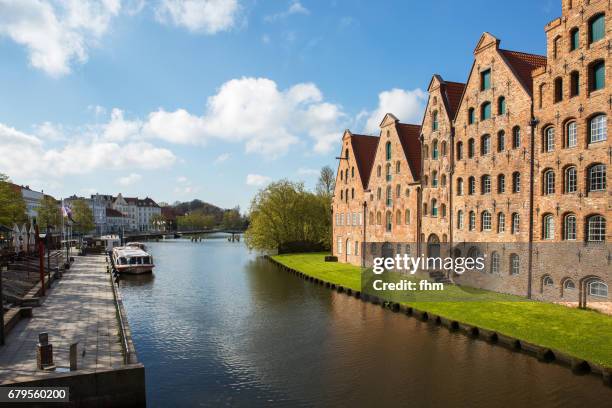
(511, 165)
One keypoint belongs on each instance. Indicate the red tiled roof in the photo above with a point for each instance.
(111, 212)
(364, 149)
(523, 64)
(454, 91)
(410, 137)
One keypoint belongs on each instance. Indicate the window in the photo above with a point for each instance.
(558, 89)
(434, 208)
(516, 137)
(346, 154)
(485, 184)
(352, 193)
(485, 144)
(516, 223)
(571, 179)
(407, 217)
(569, 285)
(424, 208)
(398, 217)
(339, 245)
(485, 221)
(388, 150)
(549, 139)
(501, 223)
(434, 150)
(389, 220)
(556, 43)
(485, 111)
(485, 80)
(548, 227)
(569, 227)
(378, 193)
(598, 288)
(547, 281)
(348, 247)
(574, 39)
(494, 262)
(471, 116)
(574, 83)
(471, 185)
(471, 148)
(398, 191)
(597, 73)
(596, 228)
(459, 150)
(356, 247)
(501, 184)
(443, 210)
(501, 141)
(378, 171)
(398, 167)
(443, 149)
(434, 125)
(571, 134)
(516, 182)
(514, 264)
(434, 179)
(597, 177)
(460, 219)
(501, 106)
(389, 197)
(472, 221)
(597, 28)
(548, 182)
(598, 129)
(443, 180)
(378, 218)
(459, 186)
(371, 218)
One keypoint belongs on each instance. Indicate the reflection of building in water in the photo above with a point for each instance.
(511, 165)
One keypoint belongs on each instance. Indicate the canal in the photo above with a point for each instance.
(216, 326)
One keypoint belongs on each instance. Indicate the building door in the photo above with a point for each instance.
(433, 246)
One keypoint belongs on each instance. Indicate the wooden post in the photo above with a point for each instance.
(73, 356)
(41, 260)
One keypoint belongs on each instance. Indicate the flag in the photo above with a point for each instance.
(67, 211)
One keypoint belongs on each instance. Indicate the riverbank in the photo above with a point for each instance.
(582, 334)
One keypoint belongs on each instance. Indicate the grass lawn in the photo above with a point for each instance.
(583, 334)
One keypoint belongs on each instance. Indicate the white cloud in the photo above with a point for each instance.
(302, 171)
(119, 129)
(295, 8)
(207, 16)
(130, 179)
(221, 158)
(406, 105)
(56, 34)
(257, 180)
(182, 179)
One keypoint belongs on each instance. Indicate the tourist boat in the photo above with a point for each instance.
(132, 260)
(137, 245)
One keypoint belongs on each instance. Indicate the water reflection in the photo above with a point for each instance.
(217, 326)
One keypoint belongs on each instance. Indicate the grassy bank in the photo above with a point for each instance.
(583, 334)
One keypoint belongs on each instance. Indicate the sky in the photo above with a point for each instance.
(213, 99)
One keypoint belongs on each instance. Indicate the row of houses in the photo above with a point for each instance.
(511, 164)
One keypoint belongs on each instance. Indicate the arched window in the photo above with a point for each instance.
(407, 192)
(514, 264)
(549, 139)
(443, 149)
(574, 39)
(571, 134)
(501, 183)
(388, 150)
(398, 167)
(443, 210)
(378, 218)
(425, 180)
(558, 89)
(548, 182)
(516, 137)
(389, 197)
(501, 223)
(485, 144)
(378, 193)
(348, 247)
(571, 180)
(389, 221)
(378, 172)
(569, 284)
(548, 227)
(471, 148)
(599, 289)
(516, 182)
(495, 262)
(346, 176)
(341, 175)
(352, 193)
(341, 194)
(501, 105)
(434, 179)
(388, 171)
(598, 129)
(556, 43)
(407, 217)
(501, 141)
(434, 207)
(471, 116)
(346, 154)
(459, 186)
(434, 125)
(398, 191)
(425, 151)
(597, 177)
(516, 223)
(597, 28)
(459, 150)
(574, 83)
(443, 180)
(371, 218)
(485, 111)
(434, 150)
(547, 281)
(485, 184)
(596, 228)
(485, 221)
(471, 185)
(346, 195)
(569, 227)
(597, 75)
(398, 217)
(460, 219)
(472, 221)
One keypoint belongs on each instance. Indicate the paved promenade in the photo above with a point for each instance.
(79, 308)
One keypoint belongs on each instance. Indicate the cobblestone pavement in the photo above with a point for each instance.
(79, 308)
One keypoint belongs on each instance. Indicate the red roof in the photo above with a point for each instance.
(454, 91)
(111, 212)
(410, 137)
(168, 213)
(364, 149)
(523, 65)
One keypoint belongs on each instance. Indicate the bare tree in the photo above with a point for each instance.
(327, 182)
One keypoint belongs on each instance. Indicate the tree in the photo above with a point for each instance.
(196, 220)
(157, 221)
(48, 213)
(232, 219)
(327, 182)
(82, 217)
(12, 205)
(284, 213)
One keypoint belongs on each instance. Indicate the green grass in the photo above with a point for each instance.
(584, 334)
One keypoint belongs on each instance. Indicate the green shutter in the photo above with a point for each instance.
(575, 39)
(486, 111)
(599, 76)
(598, 29)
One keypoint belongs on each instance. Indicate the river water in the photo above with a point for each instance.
(217, 326)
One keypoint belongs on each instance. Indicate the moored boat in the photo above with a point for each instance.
(132, 260)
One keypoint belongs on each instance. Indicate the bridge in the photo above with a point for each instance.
(145, 235)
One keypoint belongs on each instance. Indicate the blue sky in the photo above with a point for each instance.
(210, 99)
